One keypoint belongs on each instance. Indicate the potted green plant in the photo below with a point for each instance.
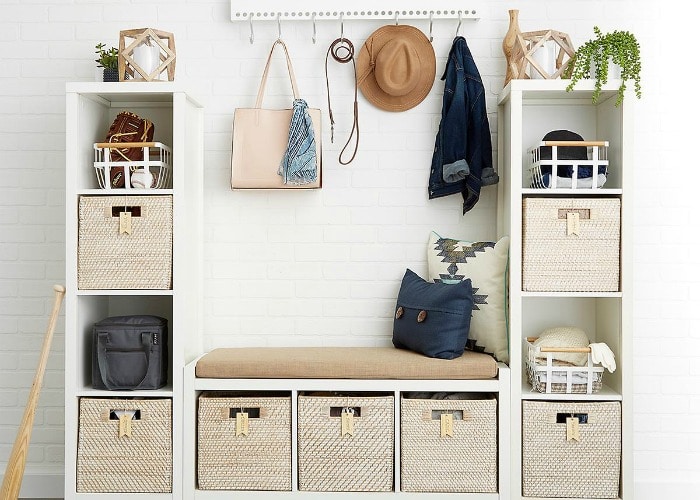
(593, 58)
(107, 59)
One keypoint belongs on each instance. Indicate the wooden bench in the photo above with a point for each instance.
(342, 369)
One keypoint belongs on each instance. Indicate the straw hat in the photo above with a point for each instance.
(396, 67)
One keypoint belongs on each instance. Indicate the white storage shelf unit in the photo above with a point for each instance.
(499, 387)
(178, 120)
(527, 110)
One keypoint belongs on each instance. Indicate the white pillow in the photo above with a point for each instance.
(485, 263)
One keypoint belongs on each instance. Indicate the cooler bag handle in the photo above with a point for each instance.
(103, 337)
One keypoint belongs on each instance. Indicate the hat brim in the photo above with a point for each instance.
(426, 55)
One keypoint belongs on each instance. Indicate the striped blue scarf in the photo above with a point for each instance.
(298, 165)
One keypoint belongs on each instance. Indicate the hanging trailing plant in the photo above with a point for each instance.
(620, 47)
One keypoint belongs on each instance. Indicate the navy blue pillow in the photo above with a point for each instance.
(433, 318)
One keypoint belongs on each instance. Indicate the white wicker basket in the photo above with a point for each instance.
(258, 457)
(561, 378)
(571, 244)
(157, 161)
(433, 460)
(544, 173)
(332, 458)
(560, 462)
(109, 257)
(124, 457)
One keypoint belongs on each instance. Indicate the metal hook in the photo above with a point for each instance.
(341, 27)
(313, 20)
(459, 25)
(250, 21)
(279, 27)
(396, 17)
(431, 27)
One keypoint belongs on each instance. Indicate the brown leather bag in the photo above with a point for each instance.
(260, 138)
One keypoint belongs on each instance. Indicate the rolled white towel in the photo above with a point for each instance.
(601, 353)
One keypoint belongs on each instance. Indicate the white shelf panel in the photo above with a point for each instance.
(89, 392)
(210, 384)
(571, 192)
(605, 394)
(124, 496)
(571, 294)
(561, 498)
(272, 495)
(123, 192)
(130, 292)
(554, 91)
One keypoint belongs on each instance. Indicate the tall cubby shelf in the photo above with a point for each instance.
(527, 110)
(178, 119)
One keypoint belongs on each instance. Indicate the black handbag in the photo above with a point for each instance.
(130, 353)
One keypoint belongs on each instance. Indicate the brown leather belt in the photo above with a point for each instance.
(342, 51)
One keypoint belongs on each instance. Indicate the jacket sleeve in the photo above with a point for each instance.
(455, 120)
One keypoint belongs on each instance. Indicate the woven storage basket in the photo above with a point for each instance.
(260, 459)
(577, 253)
(462, 463)
(329, 461)
(139, 463)
(111, 259)
(556, 467)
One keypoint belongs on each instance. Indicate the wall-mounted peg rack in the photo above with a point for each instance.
(276, 10)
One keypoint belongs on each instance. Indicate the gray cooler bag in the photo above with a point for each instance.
(130, 353)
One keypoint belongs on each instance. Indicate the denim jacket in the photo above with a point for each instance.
(462, 159)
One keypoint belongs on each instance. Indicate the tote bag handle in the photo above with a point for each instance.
(261, 90)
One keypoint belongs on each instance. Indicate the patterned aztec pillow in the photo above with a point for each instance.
(485, 263)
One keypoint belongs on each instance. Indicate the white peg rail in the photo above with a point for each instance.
(273, 10)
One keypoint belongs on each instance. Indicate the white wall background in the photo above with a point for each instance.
(323, 268)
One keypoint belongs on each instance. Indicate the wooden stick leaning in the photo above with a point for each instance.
(18, 457)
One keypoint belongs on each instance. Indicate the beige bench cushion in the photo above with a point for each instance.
(341, 362)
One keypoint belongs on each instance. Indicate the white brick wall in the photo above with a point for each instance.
(323, 268)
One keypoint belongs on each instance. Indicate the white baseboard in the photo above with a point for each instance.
(654, 490)
(50, 485)
(42, 485)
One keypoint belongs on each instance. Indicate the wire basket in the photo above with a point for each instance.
(558, 377)
(590, 172)
(153, 171)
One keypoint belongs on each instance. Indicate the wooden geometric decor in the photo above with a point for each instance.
(522, 57)
(145, 53)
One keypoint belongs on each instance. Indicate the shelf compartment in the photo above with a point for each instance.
(571, 244)
(95, 307)
(98, 107)
(125, 445)
(125, 242)
(572, 449)
(599, 317)
(244, 441)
